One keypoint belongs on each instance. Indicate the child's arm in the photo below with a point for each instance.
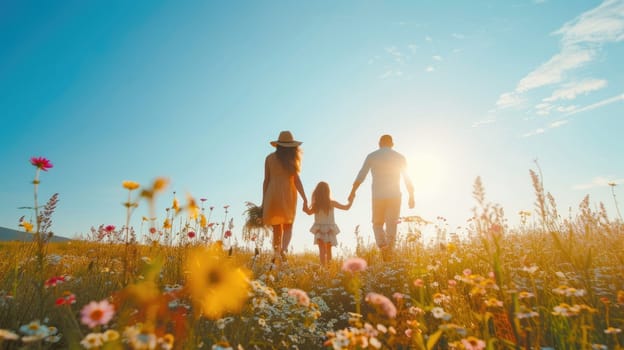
(342, 206)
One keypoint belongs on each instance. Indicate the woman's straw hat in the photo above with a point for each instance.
(286, 139)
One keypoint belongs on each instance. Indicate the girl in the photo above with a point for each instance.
(324, 228)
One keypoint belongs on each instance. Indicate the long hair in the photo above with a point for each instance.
(321, 198)
(289, 157)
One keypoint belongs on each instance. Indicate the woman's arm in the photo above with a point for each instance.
(267, 177)
(299, 188)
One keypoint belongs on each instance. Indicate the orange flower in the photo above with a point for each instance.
(192, 207)
(28, 227)
(130, 185)
(167, 224)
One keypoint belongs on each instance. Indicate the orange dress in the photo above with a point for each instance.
(280, 199)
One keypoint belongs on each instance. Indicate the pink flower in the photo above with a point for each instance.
(382, 303)
(354, 265)
(301, 296)
(472, 343)
(203, 199)
(109, 228)
(152, 230)
(452, 283)
(41, 163)
(418, 283)
(97, 313)
(191, 234)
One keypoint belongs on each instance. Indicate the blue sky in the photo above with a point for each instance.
(195, 90)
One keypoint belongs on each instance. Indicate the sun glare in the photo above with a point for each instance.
(427, 171)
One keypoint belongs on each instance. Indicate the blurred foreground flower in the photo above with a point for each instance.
(97, 313)
(130, 185)
(41, 163)
(354, 265)
(214, 284)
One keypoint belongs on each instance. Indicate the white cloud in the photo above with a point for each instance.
(396, 54)
(428, 38)
(599, 104)
(430, 69)
(488, 120)
(581, 40)
(510, 99)
(458, 36)
(558, 123)
(437, 58)
(570, 91)
(604, 23)
(553, 71)
(599, 181)
(534, 132)
(412, 47)
(566, 109)
(390, 73)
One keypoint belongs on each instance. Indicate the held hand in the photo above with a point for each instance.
(410, 202)
(351, 197)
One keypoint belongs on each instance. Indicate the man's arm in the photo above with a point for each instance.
(409, 185)
(360, 178)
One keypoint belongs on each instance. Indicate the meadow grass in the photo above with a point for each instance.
(552, 282)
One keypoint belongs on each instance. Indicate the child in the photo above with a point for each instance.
(324, 228)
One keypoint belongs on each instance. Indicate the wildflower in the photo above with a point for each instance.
(191, 234)
(35, 328)
(109, 229)
(192, 207)
(612, 330)
(415, 310)
(166, 342)
(110, 335)
(202, 221)
(167, 224)
(41, 163)
(130, 185)
(398, 296)
(525, 295)
(620, 297)
(53, 281)
(605, 300)
(28, 227)
(493, 302)
(472, 343)
(374, 342)
(439, 313)
(152, 230)
(227, 234)
(382, 303)
(530, 270)
(6, 334)
(418, 283)
(300, 296)
(439, 298)
(354, 265)
(215, 285)
(67, 299)
(97, 313)
(599, 347)
(467, 272)
(139, 339)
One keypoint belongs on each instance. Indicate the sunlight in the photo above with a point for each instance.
(428, 171)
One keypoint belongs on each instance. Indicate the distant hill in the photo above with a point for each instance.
(7, 234)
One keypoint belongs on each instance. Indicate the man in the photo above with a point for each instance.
(386, 166)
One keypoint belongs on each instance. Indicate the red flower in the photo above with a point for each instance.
(52, 282)
(67, 299)
(228, 234)
(191, 234)
(152, 230)
(41, 163)
(109, 228)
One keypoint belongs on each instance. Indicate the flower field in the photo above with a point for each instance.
(552, 282)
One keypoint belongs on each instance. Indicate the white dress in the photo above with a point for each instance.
(325, 228)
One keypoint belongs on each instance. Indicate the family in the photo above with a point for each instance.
(282, 185)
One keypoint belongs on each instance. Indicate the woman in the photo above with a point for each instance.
(279, 190)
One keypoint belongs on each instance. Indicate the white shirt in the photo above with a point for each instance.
(386, 166)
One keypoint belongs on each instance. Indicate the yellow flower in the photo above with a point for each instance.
(160, 184)
(215, 285)
(193, 209)
(202, 221)
(176, 205)
(130, 185)
(167, 224)
(28, 227)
